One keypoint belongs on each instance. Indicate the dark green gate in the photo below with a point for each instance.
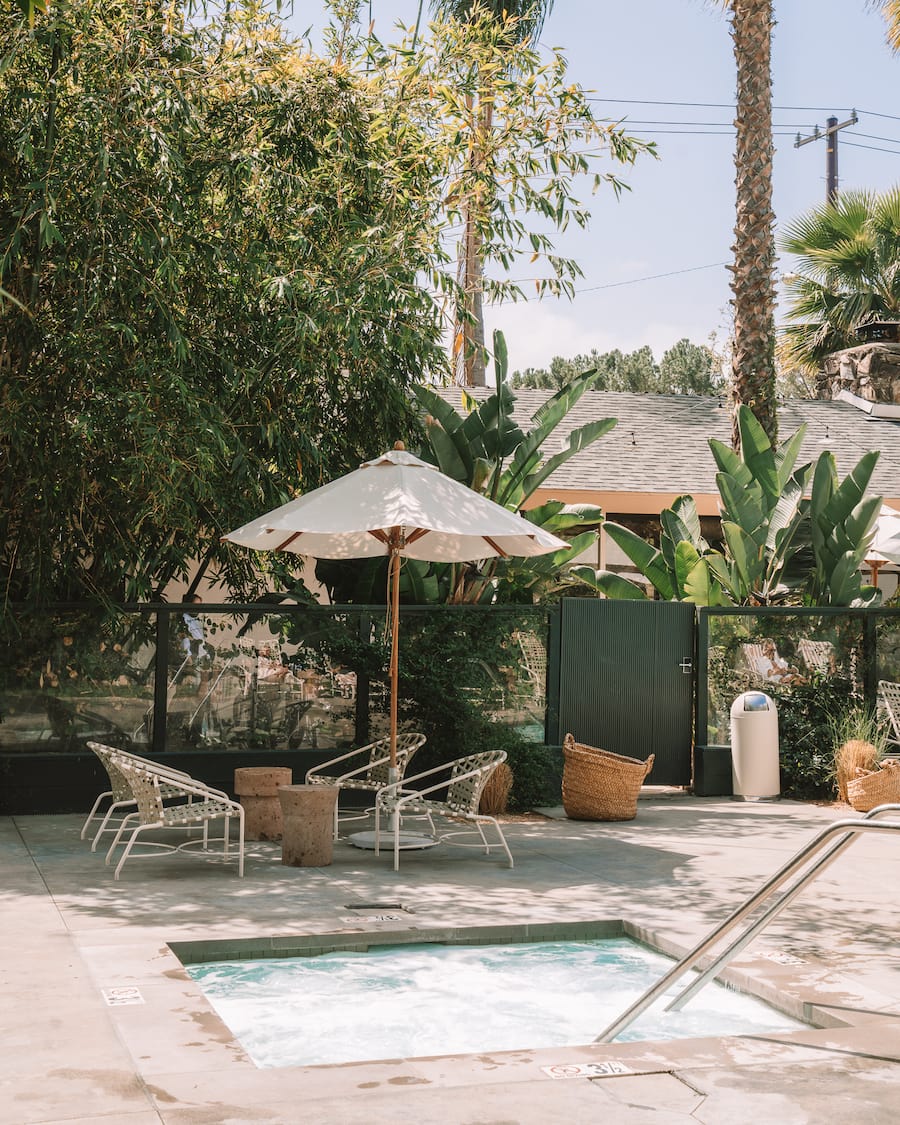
(626, 681)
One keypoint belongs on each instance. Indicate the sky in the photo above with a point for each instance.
(654, 261)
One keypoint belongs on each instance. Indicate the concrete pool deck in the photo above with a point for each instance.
(102, 1026)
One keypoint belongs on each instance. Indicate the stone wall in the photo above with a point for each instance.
(870, 371)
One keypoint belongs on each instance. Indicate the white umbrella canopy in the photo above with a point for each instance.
(398, 506)
(433, 518)
(884, 550)
(886, 541)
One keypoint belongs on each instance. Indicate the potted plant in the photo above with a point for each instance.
(859, 740)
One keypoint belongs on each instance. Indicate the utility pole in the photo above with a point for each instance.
(830, 133)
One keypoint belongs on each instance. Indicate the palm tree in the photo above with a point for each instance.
(752, 285)
(752, 280)
(890, 9)
(848, 273)
(525, 19)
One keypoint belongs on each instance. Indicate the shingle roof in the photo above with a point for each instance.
(660, 443)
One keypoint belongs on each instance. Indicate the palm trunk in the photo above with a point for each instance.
(468, 342)
(752, 286)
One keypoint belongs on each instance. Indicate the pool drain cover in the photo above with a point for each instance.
(377, 911)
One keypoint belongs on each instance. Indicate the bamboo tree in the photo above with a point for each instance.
(227, 304)
(523, 20)
(512, 135)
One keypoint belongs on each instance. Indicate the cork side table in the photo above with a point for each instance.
(257, 790)
(308, 816)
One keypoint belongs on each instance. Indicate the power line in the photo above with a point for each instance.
(618, 284)
(873, 148)
(699, 132)
(870, 137)
(887, 116)
(652, 277)
(727, 105)
(627, 122)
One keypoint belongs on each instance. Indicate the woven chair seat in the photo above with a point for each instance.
(600, 785)
(197, 812)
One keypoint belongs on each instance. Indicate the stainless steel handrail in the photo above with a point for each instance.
(851, 829)
(760, 924)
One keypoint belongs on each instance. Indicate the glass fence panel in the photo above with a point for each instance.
(463, 669)
(887, 666)
(780, 654)
(281, 679)
(261, 680)
(76, 679)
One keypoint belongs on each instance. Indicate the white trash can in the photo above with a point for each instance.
(754, 748)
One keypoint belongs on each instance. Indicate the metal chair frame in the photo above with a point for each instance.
(464, 786)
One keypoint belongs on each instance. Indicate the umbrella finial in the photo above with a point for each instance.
(399, 445)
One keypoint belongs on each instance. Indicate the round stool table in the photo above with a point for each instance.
(308, 815)
(257, 790)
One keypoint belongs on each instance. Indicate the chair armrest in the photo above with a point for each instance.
(176, 778)
(403, 794)
(338, 778)
(192, 788)
(148, 763)
(404, 782)
(341, 758)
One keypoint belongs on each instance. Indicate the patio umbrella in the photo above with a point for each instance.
(401, 507)
(885, 546)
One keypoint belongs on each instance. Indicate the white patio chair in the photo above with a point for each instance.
(818, 656)
(769, 667)
(196, 805)
(889, 704)
(461, 800)
(534, 658)
(120, 791)
(368, 770)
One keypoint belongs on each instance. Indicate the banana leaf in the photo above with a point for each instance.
(611, 585)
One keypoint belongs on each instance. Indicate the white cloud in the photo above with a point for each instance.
(536, 332)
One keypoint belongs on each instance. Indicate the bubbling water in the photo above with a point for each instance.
(412, 1001)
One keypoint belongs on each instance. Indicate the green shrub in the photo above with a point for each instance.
(807, 713)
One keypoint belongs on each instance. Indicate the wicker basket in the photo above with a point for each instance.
(600, 785)
(871, 788)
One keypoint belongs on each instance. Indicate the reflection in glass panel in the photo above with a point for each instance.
(888, 634)
(274, 681)
(80, 679)
(292, 678)
(779, 654)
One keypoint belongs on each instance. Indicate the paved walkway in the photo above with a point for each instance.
(71, 934)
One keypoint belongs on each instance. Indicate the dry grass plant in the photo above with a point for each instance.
(853, 755)
(859, 741)
(496, 793)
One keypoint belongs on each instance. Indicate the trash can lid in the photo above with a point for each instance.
(755, 701)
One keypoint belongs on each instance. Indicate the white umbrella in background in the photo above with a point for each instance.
(885, 545)
(401, 507)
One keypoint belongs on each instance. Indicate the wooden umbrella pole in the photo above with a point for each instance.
(395, 663)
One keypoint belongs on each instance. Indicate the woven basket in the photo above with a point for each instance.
(871, 788)
(600, 785)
